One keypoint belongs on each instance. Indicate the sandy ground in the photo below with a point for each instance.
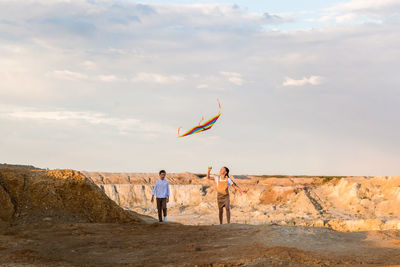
(169, 244)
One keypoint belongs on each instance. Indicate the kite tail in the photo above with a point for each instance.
(202, 119)
(179, 130)
(219, 104)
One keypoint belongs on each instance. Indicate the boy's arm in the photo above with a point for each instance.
(154, 191)
(168, 192)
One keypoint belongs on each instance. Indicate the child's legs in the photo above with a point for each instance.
(165, 212)
(159, 209)
(164, 207)
(228, 213)
(221, 213)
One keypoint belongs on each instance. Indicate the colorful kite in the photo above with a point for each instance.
(202, 127)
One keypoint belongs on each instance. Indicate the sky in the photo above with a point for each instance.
(306, 87)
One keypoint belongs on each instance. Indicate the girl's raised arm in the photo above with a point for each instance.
(208, 174)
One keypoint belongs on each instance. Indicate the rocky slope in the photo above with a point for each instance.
(340, 203)
(28, 194)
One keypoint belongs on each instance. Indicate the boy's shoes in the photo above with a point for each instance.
(165, 218)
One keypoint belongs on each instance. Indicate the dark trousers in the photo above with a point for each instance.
(162, 208)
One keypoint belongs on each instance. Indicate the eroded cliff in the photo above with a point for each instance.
(340, 203)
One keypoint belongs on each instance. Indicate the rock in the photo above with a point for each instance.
(391, 224)
(355, 225)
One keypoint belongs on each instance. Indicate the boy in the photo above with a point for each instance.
(161, 190)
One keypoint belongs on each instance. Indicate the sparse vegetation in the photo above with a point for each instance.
(330, 178)
(326, 178)
(277, 176)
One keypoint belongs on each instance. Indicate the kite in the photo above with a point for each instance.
(202, 127)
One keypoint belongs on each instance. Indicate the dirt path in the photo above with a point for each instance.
(178, 245)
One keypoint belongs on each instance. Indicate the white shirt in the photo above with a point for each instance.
(216, 179)
(161, 189)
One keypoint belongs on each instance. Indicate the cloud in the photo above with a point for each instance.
(71, 24)
(108, 78)
(233, 77)
(145, 9)
(206, 16)
(362, 11)
(312, 80)
(346, 18)
(365, 5)
(122, 125)
(4, 21)
(142, 77)
(146, 77)
(69, 75)
(90, 65)
(294, 59)
(277, 19)
(202, 86)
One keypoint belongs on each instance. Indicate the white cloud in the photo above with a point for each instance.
(362, 11)
(123, 125)
(17, 49)
(346, 18)
(220, 17)
(77, 76)
(157, 78)
(108, 78)
(69, 75)
(202, 86)
(90, 65)
(295, 58)
(312, 80)
(363, 5)
(233, 77)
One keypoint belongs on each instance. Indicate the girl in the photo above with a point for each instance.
(223, 181)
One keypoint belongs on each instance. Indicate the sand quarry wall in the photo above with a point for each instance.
(348, 204)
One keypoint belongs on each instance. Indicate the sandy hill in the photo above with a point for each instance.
(28, 194)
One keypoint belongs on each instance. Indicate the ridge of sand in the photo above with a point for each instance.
(32, 195)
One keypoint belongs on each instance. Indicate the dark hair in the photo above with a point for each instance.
(162, 171)
(227, 172)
